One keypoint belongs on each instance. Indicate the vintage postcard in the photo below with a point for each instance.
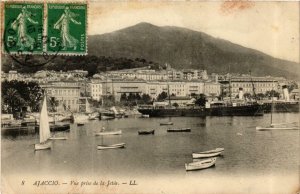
(154, 97)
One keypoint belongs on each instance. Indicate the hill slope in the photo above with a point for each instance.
(184, 48)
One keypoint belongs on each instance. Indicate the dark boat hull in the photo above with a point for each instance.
(246, 110)
(179, 130)
(146, 132)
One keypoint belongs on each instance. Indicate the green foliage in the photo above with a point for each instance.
(175, 105)
(247, 95)
(90, 63)
(162, 96)
(201, 100)
(18, 94)
(134, 98)
(272, 93)
(292, 86)
(260, 96)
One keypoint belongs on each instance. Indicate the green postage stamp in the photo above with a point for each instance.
(63, 31)
(23, 28)
(66, 28)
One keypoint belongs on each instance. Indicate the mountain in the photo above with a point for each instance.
(184, 48)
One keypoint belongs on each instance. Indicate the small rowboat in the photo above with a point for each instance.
(80, 124)
(276, 128)
(145, 116)
(200, 164)
(146, 132)
(210, 153)
(180, 130)
(167, 123)
(109, 133)
(112, 146)
(58, 138)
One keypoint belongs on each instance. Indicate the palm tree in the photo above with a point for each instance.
(13, 100)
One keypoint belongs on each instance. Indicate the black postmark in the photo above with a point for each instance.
(25, 58)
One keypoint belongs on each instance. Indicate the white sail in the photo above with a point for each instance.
(44, 123)
(114, 110)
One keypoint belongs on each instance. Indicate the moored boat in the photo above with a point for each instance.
(200, 164)
(119, 132)
(146, 132)
(167, 123)
(210, 153)
(179, 130)
(58, 138)
(214, 109)
(112, 146)
(277, 128)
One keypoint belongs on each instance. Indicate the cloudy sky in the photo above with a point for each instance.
(271, 27)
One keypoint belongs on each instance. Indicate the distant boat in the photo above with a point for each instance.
(145, 116)
(146, 132)
(58, 138)
(80, 124)
(179, 130)
(167, 123)
(112, 146)
(210, 153)
(104, 117)
(277, 128)
(44, 129)
(200, 164)
(119, 132)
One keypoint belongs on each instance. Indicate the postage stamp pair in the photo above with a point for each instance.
(58, 29)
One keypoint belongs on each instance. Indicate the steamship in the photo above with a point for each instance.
(219, 108)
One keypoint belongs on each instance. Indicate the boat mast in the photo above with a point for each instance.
(230, 87)
(272, 105)
(253, 87)
(169, 94)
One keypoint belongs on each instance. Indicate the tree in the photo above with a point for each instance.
(146, 99)
(247, 95)
(13, 100)
(17, 94)
(53, 104)
(260, 96)
(292, 86)
(272, 93)
(123, 97)
(162, 96)
(201, 100)
(175, 105)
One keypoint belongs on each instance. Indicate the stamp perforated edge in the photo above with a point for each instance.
(2, 18)
(45, 16)
(86, 27)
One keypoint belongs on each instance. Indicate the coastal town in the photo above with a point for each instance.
(150, 97)
(72, 90)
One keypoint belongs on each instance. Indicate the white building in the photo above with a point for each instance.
(66, 93)
(95, 89)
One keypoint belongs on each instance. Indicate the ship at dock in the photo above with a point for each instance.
(210, 109)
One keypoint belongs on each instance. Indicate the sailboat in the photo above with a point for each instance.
(44, 129)
(278, 126)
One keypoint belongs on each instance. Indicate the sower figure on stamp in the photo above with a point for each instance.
(20, 25)
(68, 41)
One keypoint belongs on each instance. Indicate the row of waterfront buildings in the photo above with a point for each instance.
(69, 87)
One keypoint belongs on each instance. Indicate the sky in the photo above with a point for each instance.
(270, 27)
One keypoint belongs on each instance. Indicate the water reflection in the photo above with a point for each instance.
(246, 150)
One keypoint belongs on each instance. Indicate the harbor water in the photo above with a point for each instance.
(247, 151)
